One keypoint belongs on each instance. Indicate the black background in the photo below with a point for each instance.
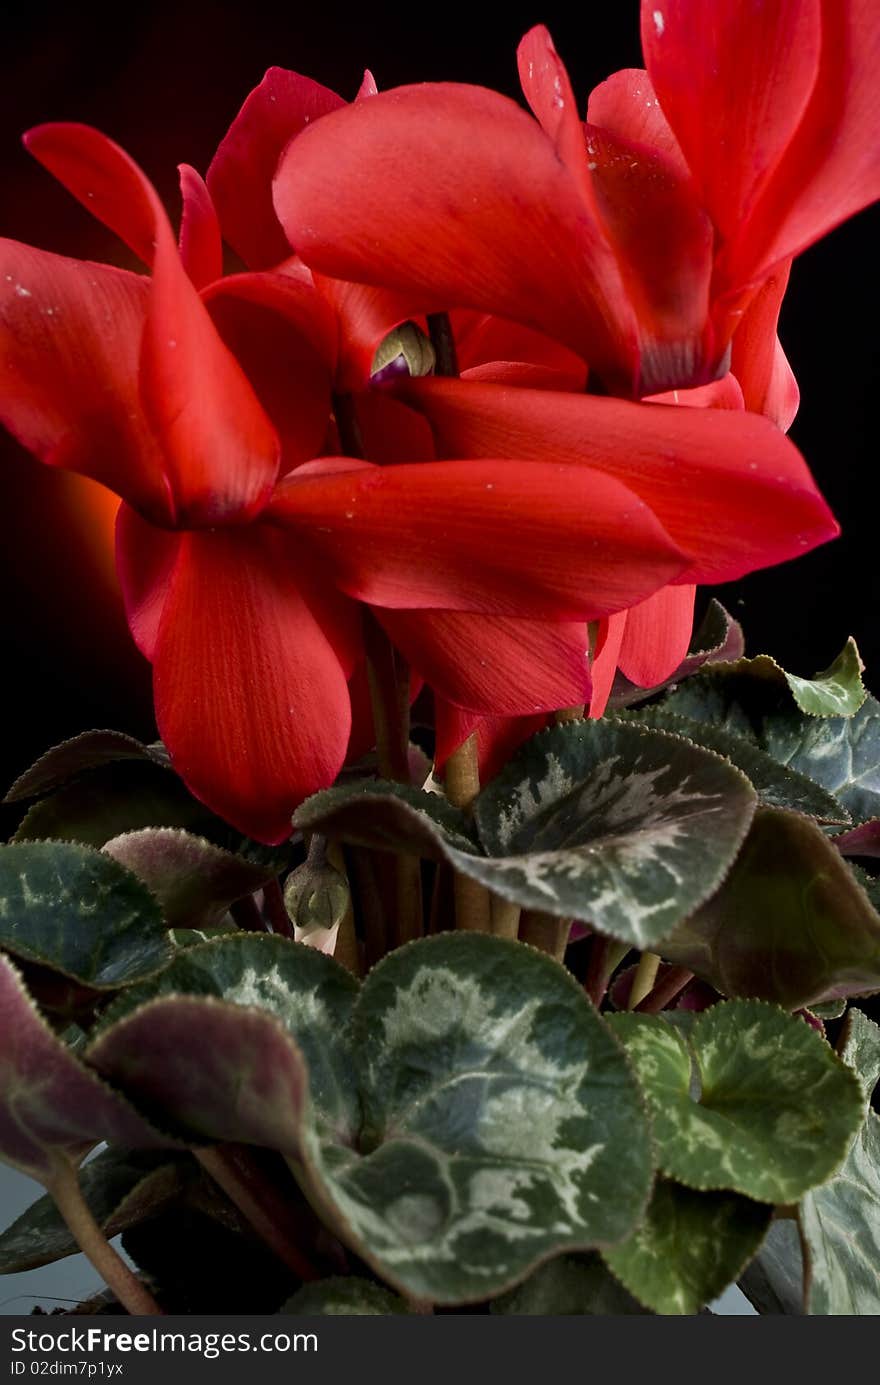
(165, 80)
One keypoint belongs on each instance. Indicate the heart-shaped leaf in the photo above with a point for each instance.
(689, 1247)
(121, 1188)
(308, 993)
(752, 699)
(791, 923)
(53, 1107)
(719, 638)
(501, 1122)
(80, 913)
(111, 799)
(72, 758)
(193, 880)
(840, 1222)
(568, 1286)
(777, 785)
(838, 692)
(391, 817)
(624, 827)
(776, 1109)
(345, 1297)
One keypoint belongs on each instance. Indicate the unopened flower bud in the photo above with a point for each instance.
(316, 895)
(405, 351)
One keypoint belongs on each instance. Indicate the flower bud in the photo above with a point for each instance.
(316, 895)
(405, 351)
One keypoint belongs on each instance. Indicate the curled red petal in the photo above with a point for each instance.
(506, 538)
(220, 450)
(201, 248)
(454, 195)
(757, 358)
(241, 173)
(251, 699)
(626, 105)
(657, 636)
(495, 664)
(609, 638)
(732, 491)
(70, 334)
(145, 561)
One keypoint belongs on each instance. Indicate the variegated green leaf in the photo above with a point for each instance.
(777, 785)
(343, 1297)
(838, 692)
(752, 1100)
(752, 699)
(624, 827)
(121, 1188)
(840, 1222)
(501, 1122)
(791, 923)
(90, 750)
(307, 992)
(80, 913)
(389, 816)
(568, 1286)
(53, 1106)
(774, 1282)
(689, 1247)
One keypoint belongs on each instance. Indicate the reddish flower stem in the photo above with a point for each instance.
(666, 989)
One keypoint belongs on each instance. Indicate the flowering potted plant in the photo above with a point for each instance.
(476, 935)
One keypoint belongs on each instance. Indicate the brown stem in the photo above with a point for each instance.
(643, 981)
(263, 1206)
(443, 342)
(65, 1190)
(545, 931)
(665, 990)
(567, 714)
(605, 956)
(359, 863)
(472, 900)
(505, 917)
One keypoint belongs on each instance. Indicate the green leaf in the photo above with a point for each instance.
(840, 1222)
(80, 913)
(343, 1297)
(625, 827)
(193, 880)
(777, 785)
(53, 1106)
(388, 816)
(501, 1121)
(689, 1247)
(121, 1187)
(719, 638)
(838, 692)
(71, 758)
(568, 1286)
(308, 993)
(774, 1282)
(775, 1109)
(829, 1010)
(115, 798)
(752, 699)
(791, 923)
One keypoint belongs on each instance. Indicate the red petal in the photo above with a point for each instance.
(604, 666)
(453, 194)
(365, 315)
(283, 336)
(725, 393)
(70, 335)
(657, 636)
(626, 105)
(547, 88)
(221, 453)
(145, 562)
(250, 697)
(201, 249)
(732, 491)
(831, 168)
(734, 81)
(504, 538)
(240, 176)
(494, 664)
(757, 358)
(482, 339)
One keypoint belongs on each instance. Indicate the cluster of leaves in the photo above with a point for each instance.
(464, 1126)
